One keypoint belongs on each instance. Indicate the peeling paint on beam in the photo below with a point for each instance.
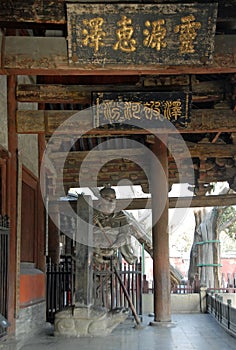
(205, 120)
(48, 56)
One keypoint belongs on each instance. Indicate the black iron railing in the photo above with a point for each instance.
(223, 312)
(108, 292)
(60, 284)
(4, 246)
(109, 289)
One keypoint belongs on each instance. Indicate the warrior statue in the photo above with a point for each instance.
(112, 230)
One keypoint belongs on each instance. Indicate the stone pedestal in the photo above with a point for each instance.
(88, 321)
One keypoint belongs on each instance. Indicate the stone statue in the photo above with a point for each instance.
(111, 229)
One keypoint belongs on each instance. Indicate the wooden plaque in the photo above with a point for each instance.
(138, 34)
(141, 109)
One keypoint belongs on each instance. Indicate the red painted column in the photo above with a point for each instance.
(160, 236)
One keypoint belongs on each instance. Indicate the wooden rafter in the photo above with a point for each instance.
(55, 93)
(202, 120)
(183, 202)
(53, 12)
(48, 55)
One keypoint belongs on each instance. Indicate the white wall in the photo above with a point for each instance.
(180, 303)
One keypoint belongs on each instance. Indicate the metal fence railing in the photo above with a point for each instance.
(222, 311)
(4, 246)
(109, 288)
(60, 284)
(112, 283)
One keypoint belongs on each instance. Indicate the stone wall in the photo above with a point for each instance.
(180, 303)
(227, 296)
(31, 320)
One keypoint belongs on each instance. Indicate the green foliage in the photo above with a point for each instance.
(227, 221)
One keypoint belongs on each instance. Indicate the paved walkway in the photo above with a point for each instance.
(189, 331)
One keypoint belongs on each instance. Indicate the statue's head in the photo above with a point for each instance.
(107, 200)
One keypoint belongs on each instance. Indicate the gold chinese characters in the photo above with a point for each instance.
(155, 34)
(119, 112)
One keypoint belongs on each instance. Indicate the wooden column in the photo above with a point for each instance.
(12, 198)
(41, 210)
(54, 235)
(160, 236)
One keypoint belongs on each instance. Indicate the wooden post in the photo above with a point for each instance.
(160, 236)
(41, 263)
(54, 236)
(12, 198)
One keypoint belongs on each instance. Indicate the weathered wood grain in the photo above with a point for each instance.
(35, 11)
(204, 120)
(140, 203)
(55, 93)
(36, 55)
(53, 12)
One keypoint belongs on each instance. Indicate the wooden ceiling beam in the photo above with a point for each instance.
(25, 11)
(174, 202)
(36, 122)
(48, 56)
(196, 150)
(54, 93)
(53, 12)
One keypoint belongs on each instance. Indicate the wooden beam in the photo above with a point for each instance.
(174, 202)
(202, 121)
(24, 11)
(122, 161)
(202, 150)
(53, 12)
(54, 93)
(203, 201)
(48, 55)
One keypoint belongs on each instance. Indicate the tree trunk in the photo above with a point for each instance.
(204, 256)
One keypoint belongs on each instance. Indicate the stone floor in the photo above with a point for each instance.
(187, 331)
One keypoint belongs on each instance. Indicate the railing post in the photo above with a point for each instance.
(212, 302)
(203, 299)
(140, 287)
(216, 305)
(220, 309)
(229, 302)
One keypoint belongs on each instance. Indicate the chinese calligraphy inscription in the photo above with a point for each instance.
(188, 33)
(150, 34)
(146, 108)
(154, 38)
(94, 34)
(125, 41)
